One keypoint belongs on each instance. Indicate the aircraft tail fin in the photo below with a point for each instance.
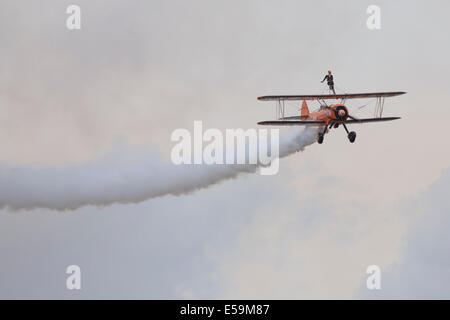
(305, 110)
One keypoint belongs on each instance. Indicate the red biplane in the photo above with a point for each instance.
(327, 117)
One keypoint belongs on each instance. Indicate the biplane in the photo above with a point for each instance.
(328, 116)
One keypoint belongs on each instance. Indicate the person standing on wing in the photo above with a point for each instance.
(330, 82)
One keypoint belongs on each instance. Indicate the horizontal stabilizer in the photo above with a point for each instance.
(294, 118)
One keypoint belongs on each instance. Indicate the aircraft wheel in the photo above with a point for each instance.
(352, 136)
(336, 125)
(320, 138)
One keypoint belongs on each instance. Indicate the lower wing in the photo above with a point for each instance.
(371, 120)
(291, 123)
(321, 123)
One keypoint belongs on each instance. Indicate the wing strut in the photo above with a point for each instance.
(279, 109)
(379, 107)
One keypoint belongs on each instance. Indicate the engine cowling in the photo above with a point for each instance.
(341, 113)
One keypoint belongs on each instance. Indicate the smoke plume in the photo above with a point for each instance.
(107, 182)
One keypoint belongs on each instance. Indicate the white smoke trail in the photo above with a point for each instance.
(104, 184)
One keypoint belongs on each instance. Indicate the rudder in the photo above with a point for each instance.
(305, 110)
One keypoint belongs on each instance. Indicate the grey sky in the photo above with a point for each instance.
(136, 72)
(423, 268)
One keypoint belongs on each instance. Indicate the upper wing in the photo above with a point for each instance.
(291, 123)
(372, 120)
(332, 96)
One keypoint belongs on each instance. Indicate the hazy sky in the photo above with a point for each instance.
(137, 71)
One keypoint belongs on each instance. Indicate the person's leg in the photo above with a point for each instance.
(332, 88)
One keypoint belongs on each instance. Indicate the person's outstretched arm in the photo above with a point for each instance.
(324, 78)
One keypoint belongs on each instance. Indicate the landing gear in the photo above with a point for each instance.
(350, 135)
(321, 135)
(320, 138)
